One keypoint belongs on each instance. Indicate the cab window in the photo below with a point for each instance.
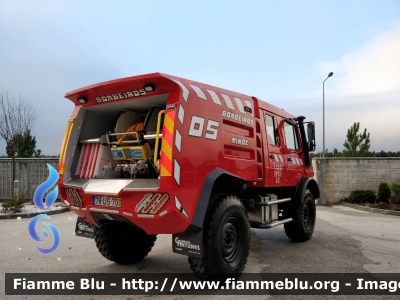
(291, 137)
(272, 131)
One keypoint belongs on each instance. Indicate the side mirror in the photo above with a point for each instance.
(311, 136)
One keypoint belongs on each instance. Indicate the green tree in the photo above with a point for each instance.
(26, 145)
(357, 144)
(337, 153)
(384, 192)
(388, 154)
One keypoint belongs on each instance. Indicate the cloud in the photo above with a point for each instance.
(365, 88)
(372, 68)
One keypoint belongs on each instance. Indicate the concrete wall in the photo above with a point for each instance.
(31, 172)
(337, 177)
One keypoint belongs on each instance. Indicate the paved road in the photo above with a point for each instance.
(345, 241)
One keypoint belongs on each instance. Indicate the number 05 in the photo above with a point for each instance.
(197, 125)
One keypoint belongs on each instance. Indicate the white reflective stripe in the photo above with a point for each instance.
(181, 113)
(199, 92)
(89, 160)
(178, 140)
(301, 162)
(239, 104)
(108, 211)
(163, 213)
(177, 172)
(248, 103)
(228, 101)
(214, 97)
(145, 216)
(185, 91)
(127, 214)
(281, 158)
(85, 158)
(178, 205)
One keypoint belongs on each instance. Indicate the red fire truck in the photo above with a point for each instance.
(158, 154)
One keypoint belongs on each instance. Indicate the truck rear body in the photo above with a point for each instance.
(204, 129)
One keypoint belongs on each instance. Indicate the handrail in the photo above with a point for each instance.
(136, 141)
(64, 145)
(157, 138)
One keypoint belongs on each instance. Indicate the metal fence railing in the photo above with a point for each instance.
(30, 172)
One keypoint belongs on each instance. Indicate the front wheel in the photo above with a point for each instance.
(302, 227)
(226, 240)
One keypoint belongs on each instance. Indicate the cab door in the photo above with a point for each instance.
(275, 156)
(293, 156)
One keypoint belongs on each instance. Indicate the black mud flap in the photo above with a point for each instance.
(188, 243)
(84, 228)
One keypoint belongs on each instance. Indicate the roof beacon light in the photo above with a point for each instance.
(149, 87)
(82, 100)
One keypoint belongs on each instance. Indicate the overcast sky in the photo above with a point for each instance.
(278, 51)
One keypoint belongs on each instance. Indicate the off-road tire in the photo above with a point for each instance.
(123, 243)
(302, 227)
(226, 240)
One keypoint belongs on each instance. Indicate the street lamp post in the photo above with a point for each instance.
(323, 114)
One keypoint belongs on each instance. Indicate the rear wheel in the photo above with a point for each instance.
(226, 240)
(123, 243)
(302, 227)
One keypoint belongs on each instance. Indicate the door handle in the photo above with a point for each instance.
(289, 159)
(272, 156)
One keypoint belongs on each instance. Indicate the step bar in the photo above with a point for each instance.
(276, 223)
(273, 202)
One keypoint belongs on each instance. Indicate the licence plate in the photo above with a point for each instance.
(107, 201)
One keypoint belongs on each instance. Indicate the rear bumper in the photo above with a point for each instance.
(78, 195)
(113, 186)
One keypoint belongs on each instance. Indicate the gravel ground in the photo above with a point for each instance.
(31, 208)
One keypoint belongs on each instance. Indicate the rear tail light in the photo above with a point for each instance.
(74, 197)
(151, 203)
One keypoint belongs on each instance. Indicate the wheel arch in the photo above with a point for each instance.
(214, 181)
(305, 184)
